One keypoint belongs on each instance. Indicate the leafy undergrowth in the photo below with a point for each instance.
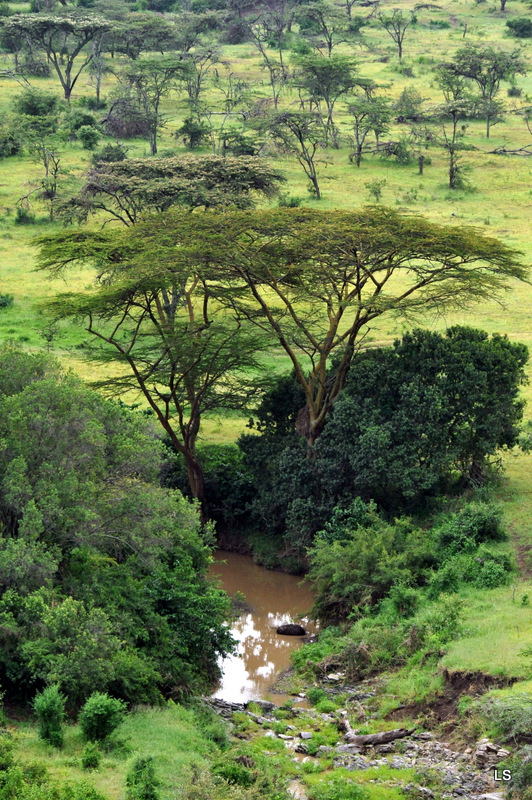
(179, 741)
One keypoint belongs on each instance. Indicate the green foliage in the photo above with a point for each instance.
(88, 136)
(24, 217)
(10, 142)
(325, 706)
(91, 756)
(475, 524)
(6, 300)
(194, 132)
(141, 780)
(6, 751)
(374, 557)
(509, 716)
(36, 103)
(315, 695)
(521, 27)
(520, 765)
(338, 787)
(49, 707)
(100, 716)
(132, 555)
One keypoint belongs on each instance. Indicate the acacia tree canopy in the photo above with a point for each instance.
(157, 324)
(62, 38)
(314, 280)
(126, 190)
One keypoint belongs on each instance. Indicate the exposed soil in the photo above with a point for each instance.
(444, 709)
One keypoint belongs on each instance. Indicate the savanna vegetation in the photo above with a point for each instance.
(265, 272)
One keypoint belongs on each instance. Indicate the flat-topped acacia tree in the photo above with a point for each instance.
(312, 281)
(124, 191)
(62, 38)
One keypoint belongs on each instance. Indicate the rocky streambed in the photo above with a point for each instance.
(450, 773)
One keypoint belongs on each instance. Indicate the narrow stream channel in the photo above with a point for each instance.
(272, 598)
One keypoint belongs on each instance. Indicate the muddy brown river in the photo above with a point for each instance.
(271, 599)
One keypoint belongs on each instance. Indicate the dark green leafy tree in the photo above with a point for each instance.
(102, 583)
(126, 190)
(63, 39)
(323, 24)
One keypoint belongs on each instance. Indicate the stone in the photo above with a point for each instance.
(284, 736)
(335, 676)
(291, 629)
(306, 735)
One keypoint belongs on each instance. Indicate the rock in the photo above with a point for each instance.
(502, 753)
(324, 750)
(306, 735)
(335, 676)
(284, 736)
(291, 629)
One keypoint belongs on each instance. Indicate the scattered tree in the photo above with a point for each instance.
(300, 133)
(487, 67)
(396, 25)
(326, 79)
(370, 115)
(63, 39)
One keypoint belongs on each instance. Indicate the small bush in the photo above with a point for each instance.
(520, 28)
(109, 154)
(520, 786)
(514, 91)
(36, 103)
(49, 707)
(6, 752)
(90, 758)
(89, 137)
(10, 143)
(141, 780)
(6, 300)
(338, 787)
(510, 716)
(23, 217)
(326, 706)
(315, 695)
(286, 201)
(235, 773)
(100, 716)
(194, 132)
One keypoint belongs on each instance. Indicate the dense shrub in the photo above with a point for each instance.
(133, 555)
(88, 136)
(509, 716)
(374, 556)
(194, 132)
(36, 103)
(49, 707)
(6, 300)
(520, 28)
(474, 524)
(520, 765)
(10, 142)
(100, 716)
(91, 756)
(141, 780)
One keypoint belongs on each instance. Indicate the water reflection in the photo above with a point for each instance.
(272, 598)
